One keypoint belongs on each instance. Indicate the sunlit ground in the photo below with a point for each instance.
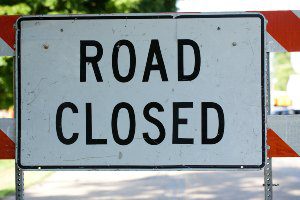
(7, 177)
(169, 185)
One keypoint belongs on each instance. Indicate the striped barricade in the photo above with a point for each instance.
(283, 35)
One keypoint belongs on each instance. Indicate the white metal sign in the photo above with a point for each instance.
(140, 91)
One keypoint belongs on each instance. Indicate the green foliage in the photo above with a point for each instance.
(35, 7)
(156, 6)
(7, 177)
(16, 9)
(122, 6)
(6, 192)
(282, 70)
(6, 82)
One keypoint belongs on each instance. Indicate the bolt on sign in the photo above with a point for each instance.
(142, 91)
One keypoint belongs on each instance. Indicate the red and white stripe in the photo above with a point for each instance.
(283, 135)
(283, 30)
(7, 35)
(7, 138)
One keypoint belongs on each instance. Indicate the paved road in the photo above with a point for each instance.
(169, 185)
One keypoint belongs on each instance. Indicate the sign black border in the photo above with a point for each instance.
(158, 16)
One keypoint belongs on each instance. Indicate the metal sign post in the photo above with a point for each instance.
(268, 185)
(19, 176)
(268, 180)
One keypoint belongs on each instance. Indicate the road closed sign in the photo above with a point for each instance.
(142, 91)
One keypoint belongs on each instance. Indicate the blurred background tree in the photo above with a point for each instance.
(281, 62)
(35, 7)
(281, 71)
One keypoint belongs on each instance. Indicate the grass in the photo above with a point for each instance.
(5, 164)
(7, 178)
(6, 192)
